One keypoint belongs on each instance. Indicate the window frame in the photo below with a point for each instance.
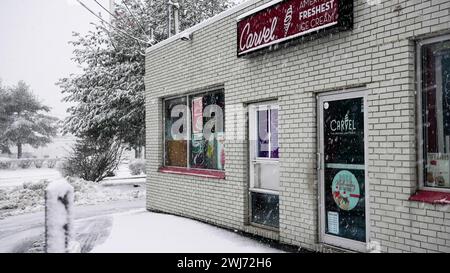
(253, 157)
(188, 169)
(420, 110)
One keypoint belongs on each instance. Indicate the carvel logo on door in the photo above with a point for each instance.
(284, 20)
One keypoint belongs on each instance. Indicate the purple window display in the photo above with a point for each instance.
(263, 133)
(268, 133)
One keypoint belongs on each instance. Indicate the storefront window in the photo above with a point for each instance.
(435, 74)
(207, 136)
(194, 131)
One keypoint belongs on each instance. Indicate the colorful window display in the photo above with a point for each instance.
(195, 131)
(436, 113)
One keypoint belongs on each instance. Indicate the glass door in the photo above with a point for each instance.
(342, 167)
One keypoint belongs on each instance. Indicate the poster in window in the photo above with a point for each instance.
(198, 151)
(176, 153)
(344, 156)
(333, 222)
(197, 115)
(220, 150)
(345, 188)
(211, 152)
(438, 170)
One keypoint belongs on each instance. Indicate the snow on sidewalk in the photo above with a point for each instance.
(146, 232)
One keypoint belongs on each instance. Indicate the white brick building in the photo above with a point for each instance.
(364, 109)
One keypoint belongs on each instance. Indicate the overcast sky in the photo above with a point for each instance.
(34, 47)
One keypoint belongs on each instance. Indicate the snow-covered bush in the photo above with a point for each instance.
(38, 163)
(26, 198)
(29, 197)
(2, 194)
(24, 163)
(40, 186)
(5, 164)
(51, 163)
(63, 168)
(92, 159)
(137, 166)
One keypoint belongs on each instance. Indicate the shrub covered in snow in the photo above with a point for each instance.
(92, 159)
(24, 163)
(137, 166)
(25, 198)
(29, 197)
(38, 163)
(5, 163)
(63, 168)
(51, 163)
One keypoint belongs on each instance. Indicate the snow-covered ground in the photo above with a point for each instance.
(22, 191)
(146, 232)
(124, 172)
(123, 176)
(25, 233)
(15, 178)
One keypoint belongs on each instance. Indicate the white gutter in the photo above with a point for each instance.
(203, 24)
(269, 4)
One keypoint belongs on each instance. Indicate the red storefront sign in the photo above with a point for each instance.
(285, 20)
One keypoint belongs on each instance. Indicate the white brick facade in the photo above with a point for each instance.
(378, 55)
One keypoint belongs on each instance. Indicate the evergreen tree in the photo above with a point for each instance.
(24, 120)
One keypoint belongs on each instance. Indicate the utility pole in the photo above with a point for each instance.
(169, 25)
(173, 8)
(176, 16)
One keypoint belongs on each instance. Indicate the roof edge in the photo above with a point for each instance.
(203, 24)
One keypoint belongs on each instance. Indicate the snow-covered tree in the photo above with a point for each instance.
(24, 119)
(108, 96)
(3, 118)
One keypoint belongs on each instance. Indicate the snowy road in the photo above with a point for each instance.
(92, 224)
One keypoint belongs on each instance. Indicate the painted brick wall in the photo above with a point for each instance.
(379, 53)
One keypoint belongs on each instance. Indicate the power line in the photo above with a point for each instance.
(105, 9)
(120, 30)
(134, 17)
(115, 17)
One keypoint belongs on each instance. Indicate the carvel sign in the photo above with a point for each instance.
(280, 21)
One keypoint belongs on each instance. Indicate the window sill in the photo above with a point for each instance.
(193, 172)
(431, 197)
